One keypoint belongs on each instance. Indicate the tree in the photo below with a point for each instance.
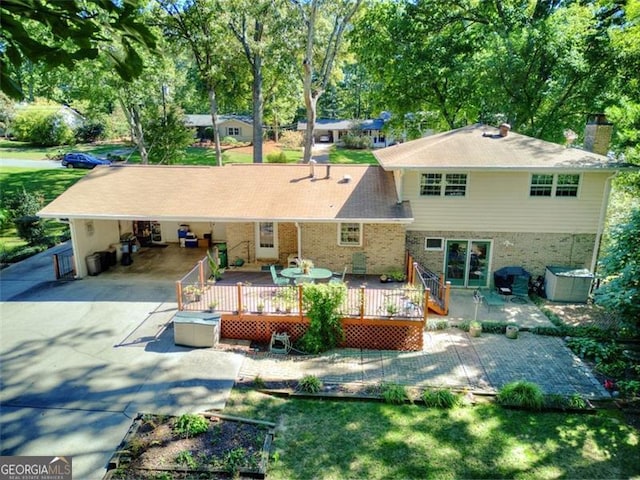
(61, 33)
(198, 24)
(167, 136)
(620, 268)
(325, 25)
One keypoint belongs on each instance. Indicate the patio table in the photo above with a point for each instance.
(314, 273)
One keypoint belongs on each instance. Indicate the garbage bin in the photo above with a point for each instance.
(222, 254)
(94, 264)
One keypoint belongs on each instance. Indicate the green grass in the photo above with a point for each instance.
(332, 439)
(341, 155)
(50, 182)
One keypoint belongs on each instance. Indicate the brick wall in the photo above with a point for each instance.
(533, 251)
(384, 245)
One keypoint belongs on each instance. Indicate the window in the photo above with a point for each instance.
(548, 185)
(433, 243)
(431, 184)
(567, 185)
(541, 185)
(234, 131)
(453, 184)
(350, 234)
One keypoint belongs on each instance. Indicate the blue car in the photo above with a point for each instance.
(82, 160)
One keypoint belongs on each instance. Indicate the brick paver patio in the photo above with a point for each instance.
(451, 358)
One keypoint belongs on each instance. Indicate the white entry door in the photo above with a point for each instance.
(266, 240)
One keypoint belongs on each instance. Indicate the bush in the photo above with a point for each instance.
(356, 141)
(629, 388)
(291, 139)
(323, 302)
(190, 424)
(440, 398)
(592, 349)
(90, 132)
(394, 393)
(42, 129)
(31, 229)
(310, 384)
(521, 394)
(229, 141)
(276, 157)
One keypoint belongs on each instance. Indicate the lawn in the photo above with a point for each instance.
(338, 439)
(49, 182)
(341, 155)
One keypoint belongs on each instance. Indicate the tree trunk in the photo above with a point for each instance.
(213, 105)
(310, 102)
(135, 127)
(258, 107)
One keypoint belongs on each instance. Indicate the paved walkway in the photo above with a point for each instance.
(451, 358)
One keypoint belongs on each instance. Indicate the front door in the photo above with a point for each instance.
(467, 263)
(266, 240)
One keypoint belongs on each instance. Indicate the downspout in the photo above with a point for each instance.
(299, 229)
(397, 177)
(601, 221)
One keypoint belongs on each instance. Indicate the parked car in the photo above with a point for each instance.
(82, 160)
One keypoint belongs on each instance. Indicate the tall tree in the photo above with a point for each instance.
(61, 33)
(325, 23)
(198, 25)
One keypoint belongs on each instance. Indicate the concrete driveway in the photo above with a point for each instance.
(79, 359)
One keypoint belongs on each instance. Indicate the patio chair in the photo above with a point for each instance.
(359, 264)
(277, 279)
(337, 278)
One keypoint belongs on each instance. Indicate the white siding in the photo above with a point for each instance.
(500, 202)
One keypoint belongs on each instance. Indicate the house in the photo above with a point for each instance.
(236, 126)
(263, 212)
(485, 198)
(330, 131)
(463, 203)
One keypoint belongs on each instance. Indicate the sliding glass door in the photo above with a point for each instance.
(467, 263)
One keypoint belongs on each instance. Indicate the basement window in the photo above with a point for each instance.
(433, 244)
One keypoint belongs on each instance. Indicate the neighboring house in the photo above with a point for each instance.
(330, 131)
(484, 198)
(463, 203)
(264, 212)
(236, 126)
(70, 116)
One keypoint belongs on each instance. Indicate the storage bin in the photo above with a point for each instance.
(191, 242)
(196, 329)
(567, 284)
(94, 266)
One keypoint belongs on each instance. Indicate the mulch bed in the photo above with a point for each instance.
(231, 447)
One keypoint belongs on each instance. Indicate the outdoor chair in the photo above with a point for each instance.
(337, 278)
(277, 279)
(359, 264)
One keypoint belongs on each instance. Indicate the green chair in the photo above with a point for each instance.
(276, 279)
(359, 264)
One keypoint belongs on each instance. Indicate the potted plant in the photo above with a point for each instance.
(214, 266)
(192, 293)
(213, 304)
(397, 275)
(260, 307)
(306, 265)
(384, 278)
(391, 308)
(475, 328)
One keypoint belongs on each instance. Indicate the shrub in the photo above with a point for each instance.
(291, 139)
(190, 424)
(592, 349)
(394, 393)
(310, 384)
(323, 303)
(277, 157)
(229, 141)
(90, 132)
(185, 457)
(440, 398)
(258, 382)
(31, 229)
(629, 388)
(39, 128)
(522, 394)
(23, 203)
(356, 141)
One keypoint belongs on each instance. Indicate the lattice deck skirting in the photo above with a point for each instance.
(375, 334)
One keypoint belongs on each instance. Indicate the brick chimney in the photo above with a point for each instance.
(597, 134)
(504, 129)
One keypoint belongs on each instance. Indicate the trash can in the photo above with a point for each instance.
(94, 264)
(222, 254)
(105, 260)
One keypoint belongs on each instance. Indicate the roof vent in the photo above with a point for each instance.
(328, 175)
(346, 178)
(312, 164)
(504, 129)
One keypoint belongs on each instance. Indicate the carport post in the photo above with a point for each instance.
(201, 273)
(179, 294)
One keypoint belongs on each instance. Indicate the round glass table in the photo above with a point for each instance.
(314, 273)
